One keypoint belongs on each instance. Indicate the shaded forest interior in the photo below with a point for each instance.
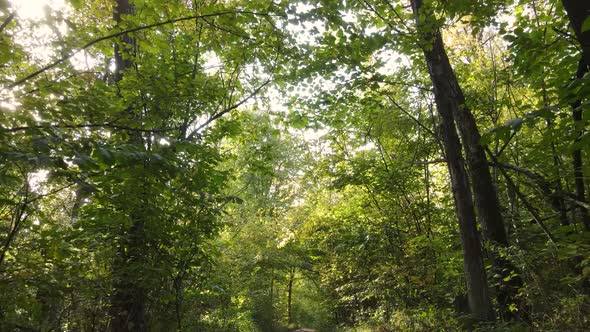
(319, 165)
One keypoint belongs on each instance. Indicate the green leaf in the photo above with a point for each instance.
(586, 24)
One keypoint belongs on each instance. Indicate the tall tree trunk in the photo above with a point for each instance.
(129, 295)
(448, 95)
(577, 163)
(178, 301)
(578, 11)
(558, 202)
(290, 296)
(477, 287)
(272, 297)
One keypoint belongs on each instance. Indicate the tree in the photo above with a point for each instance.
(451, 107)
(578, 13)
(129, 294)
(145, 161)
(266, 166)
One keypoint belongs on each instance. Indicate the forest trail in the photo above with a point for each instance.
(303, 330)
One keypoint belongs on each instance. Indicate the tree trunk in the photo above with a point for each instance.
(448, 95)
(178, 301)
(272, 289)
(129, 295)
(558, 202)
(477, 287)
(486, 198)
(578, 11)
(577, 163)
(290, 296)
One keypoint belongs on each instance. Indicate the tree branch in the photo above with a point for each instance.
(124, 32)
(227, 110)
(86, 125)
(536, 177)
(429, 162)
(7, 21)
(233, 33)
(532, 211)
(418, 122)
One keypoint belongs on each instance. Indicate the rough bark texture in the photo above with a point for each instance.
(485, 195)
(477, 288)
(447, 89)
(129, 295)
(484, 190)
(445, 84)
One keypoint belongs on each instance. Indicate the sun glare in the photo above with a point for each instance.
(36, 9)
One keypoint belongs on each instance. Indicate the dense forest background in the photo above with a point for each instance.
(225, 165)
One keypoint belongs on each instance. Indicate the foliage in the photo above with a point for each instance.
(267, 165)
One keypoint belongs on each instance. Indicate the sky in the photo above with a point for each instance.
(35, 9)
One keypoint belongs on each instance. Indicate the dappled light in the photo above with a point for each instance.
(294, 166)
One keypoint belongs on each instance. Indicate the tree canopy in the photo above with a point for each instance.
(373, 165)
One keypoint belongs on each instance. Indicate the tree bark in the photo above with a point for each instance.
(129, 295)
(578, 11)
(477, 287)
(445, 84)
(448, 94)
(577, 162)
